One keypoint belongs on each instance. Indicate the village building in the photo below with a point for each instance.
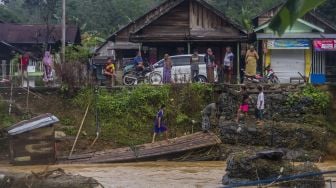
(307, 48)
(21, 38)
(176, 27)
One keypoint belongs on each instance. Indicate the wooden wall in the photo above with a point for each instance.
(174, 23)
(267, 16)
(146, 19)
(34, 147)
(206, 23)
(188, 21)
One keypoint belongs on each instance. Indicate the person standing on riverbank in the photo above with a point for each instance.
(244, 107)
(194, 65)
(47, 64)
(23, 66)
(242, 65)
(167, 67)
(251, 61)
(209, 60)
(109, 71)
(138, 62)
(228, 65)
(260, 106)
(159, 127)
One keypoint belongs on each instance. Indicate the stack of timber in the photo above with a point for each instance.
(150, 150)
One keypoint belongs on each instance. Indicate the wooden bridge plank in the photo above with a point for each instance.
(149, 150)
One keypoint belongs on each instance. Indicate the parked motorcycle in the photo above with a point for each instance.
(146, 76)
(269, 77)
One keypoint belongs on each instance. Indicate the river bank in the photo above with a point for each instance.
(161, 174)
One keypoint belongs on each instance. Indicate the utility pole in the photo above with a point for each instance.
(63, 32)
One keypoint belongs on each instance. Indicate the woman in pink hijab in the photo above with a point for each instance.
(47, 62)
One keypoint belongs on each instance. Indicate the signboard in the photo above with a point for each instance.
(31, 68)
(288, 44)
(325, 45)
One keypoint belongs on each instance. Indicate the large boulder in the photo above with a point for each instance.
(52, 179)
(247, 166)
(275, 134)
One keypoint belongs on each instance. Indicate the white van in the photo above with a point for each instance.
(181, 72)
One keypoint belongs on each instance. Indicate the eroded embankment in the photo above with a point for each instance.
(297, 125)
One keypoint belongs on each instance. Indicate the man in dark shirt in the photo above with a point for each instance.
(138, 62)
(211, 109)
(242, 65)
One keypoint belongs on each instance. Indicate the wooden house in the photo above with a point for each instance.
(308, 48)
(33, 141)
(176, 27)
(20, 38)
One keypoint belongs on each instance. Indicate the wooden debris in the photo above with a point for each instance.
(149, 151)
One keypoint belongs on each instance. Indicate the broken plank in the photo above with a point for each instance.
(149, 150)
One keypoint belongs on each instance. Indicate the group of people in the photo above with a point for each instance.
(244, 105)
(215, 109)
(195, 59)
(224, 70)
(47, 61)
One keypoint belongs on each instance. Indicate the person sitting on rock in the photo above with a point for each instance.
(211, 109)
(244, 107)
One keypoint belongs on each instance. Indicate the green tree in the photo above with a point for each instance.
(290, 12)
(8, 16)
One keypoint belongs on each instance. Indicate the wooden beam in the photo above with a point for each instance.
(149, 151)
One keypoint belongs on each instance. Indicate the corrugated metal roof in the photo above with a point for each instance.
(32, 124)
(296, 36)
(36, 33)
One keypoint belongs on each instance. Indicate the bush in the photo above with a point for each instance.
(127, 115)
(5, 119)
(310, 99)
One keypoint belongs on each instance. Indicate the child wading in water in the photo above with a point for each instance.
(159, 127)
(260, 106)
(244, 107)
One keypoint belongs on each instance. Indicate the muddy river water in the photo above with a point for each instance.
(152, 174)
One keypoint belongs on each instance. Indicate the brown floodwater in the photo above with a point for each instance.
(152, 174)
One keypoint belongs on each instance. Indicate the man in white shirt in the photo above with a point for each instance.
(228, 65)
(260, 106)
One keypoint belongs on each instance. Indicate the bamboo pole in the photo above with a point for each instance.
(11, 93)
(27, 99)
(63, 31)
(79, 130)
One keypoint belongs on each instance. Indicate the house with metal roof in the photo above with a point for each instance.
(21, 38)
(306, 51)
(33, 141)
(176, 27)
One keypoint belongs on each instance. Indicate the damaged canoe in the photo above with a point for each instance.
(148, 151)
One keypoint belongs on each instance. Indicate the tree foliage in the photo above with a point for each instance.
(290, 12)
(8, 15)
(107, 16)
(128, 115)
